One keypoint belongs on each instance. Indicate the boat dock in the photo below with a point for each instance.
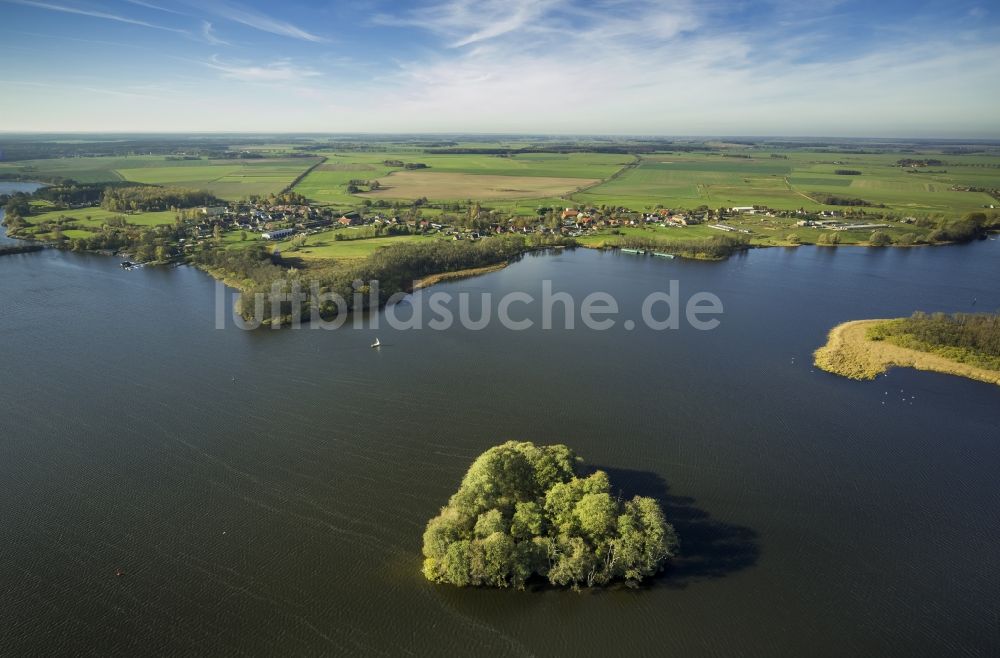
(643, 252)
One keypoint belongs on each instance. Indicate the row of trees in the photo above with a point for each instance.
(522, 510)
(831, 200)
(151, 198)
(717, 246)
(283, 198)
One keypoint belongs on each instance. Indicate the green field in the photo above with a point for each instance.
(227, 179)
(799, 180)
(796, 179)
(764, 232)
(324, 246)
(95, 218)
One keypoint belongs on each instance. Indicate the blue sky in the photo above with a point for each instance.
(823, 67)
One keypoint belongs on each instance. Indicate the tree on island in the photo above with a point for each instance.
(523, 510)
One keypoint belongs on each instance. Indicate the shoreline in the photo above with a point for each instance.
(849, 353)
(433, 279)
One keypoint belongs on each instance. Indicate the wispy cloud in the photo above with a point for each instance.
(92, 13)
(280, 71)
(471, 21)
(150, 5)
(258, 21)
(208, 34)
(62, 88)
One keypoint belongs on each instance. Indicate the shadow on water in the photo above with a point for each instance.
(708, 548)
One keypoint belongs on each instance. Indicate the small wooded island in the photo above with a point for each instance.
(524, 510)
(964, 344)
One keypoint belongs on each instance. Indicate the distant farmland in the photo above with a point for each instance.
(409, 185)
(905, 182)
(327, 184)
(227, 179)
(780, 179)
(797, 179)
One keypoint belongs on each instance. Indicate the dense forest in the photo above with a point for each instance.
(148, 198)
(972, 338)
(73, 193)
(523, 510)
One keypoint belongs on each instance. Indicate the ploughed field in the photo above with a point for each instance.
(457, 177)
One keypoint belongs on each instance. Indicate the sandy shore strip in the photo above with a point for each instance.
(428, 281)
(848, 352)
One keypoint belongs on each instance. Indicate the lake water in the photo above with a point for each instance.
(9, 187)
(282, 512)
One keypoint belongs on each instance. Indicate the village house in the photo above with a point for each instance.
(212, 211)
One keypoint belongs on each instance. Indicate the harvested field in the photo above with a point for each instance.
(417, 184)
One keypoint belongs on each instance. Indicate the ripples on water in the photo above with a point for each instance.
(282, 513)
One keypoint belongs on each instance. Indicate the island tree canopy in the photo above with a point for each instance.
(524, 510)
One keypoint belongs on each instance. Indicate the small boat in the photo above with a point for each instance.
(662, 255)
(376, 343)
(632, 251)
(127, 265)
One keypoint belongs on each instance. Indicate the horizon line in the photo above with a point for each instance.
(498, 134)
